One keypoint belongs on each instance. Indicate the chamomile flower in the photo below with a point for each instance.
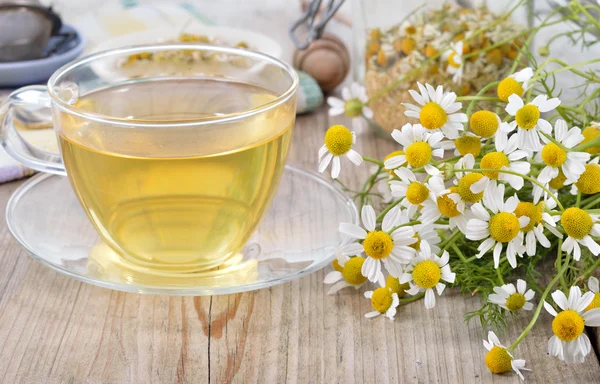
(594, 287)
(515, 84)
(427, 271)
(502, 227)
(505, 158)
(427, 233)
(347, 273)
(418, 148)
(570, 343)
(413, 191)
(384, 302)
(393, 283)
(528, 121)
(338, 141)
(465, 181)
(388, 245)
(580, 226)
(511, 298)
(588, 180)
(455, 61)
(558, 158)
(446, 205)
(499, 360)
(437, 110)
(352, 103)
(538, 221)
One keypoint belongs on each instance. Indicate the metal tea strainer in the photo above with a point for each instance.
(25, 27)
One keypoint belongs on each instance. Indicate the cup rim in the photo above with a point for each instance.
(231, 117)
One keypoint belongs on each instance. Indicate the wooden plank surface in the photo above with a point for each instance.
(57, 330)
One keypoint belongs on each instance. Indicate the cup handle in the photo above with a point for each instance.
(30, 105)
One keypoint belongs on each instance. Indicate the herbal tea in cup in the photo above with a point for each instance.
(175, 163)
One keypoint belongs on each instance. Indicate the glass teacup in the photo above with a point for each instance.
(174, 151)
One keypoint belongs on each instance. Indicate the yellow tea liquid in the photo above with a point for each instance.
(182, 199)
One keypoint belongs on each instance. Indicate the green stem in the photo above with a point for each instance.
(591, 201)
(578, 199)
(499, 273)
(542, 299)
(520, 175)
(449, 238)
(459, 253)
(481, 92)
(411, 299)
(414, 222)
(387, 209)
(477, 98)
(374, 161)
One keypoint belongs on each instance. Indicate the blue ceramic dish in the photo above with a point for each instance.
(14, 74)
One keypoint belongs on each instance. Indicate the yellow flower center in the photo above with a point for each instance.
(528, 116)
(353, 108)
(430, 50)
(389, 156)
(378, 244)
(494, 56)
(589, 134)
(534, 212)
(484, 123)
(381, 299)
(453, 60)
(515, 301)
(508, 87)
(394, 285)
(410, 30)
(498, 360)
(494, 160)
(336, 265)
(406, 45)
(416, 245)
(446, 205)
(427, 274)
(553, 155)
(559, 181)
(352, 271)
(504, 227)
(433, 116)
(464, 187)
(468, 144)
(568, 325)
(338, 140)
(595, 303)
(417, 193)
(588, 181)
(576, 222)
(418, 154)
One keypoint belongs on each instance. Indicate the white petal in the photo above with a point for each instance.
(593, 284)
(337, 287)
(497, 251)
(352, 230)
(354, 157)
(429, 298)
(592, 317)
(368, 217)
(335, 168)
(439, 287)
(390, 219)
(560, 299)
(372, 314)
(521, 286)
(550, 309)
(325, 162)
(514, 104)
(332, 277)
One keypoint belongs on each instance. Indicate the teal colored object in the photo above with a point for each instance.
(309, 96)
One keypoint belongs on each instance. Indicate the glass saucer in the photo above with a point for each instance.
(298, 235)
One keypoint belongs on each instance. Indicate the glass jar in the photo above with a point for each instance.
(400, 43)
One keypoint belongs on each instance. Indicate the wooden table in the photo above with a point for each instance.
(54, 329)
